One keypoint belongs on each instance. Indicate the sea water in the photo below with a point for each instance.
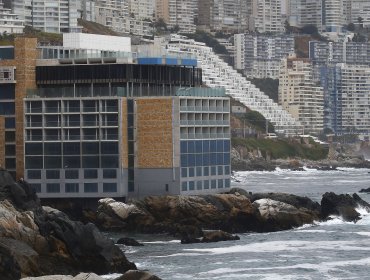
(324, 250)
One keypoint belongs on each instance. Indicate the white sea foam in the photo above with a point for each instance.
(316, 231)
(363, 233)
(180, 255)
(111, 276)
(162, 242)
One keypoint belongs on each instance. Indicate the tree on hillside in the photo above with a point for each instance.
(359, 38)
(351, 27)
(310, 29)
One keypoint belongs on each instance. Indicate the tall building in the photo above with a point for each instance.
(336, 14)
(267, 16)
(225, 15)
(299, 94)
(49, 16)
(9, 22)
(141, 9)
(259, 56)
(179, 14)
(352, 100)
(360, 9)
(87, 10)
(304, 12)
(98, 123)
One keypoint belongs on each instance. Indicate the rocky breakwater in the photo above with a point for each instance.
(188, 217)
(36, 240)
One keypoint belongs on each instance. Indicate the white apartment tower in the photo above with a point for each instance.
(141, 9)
(267, 16)
(47, 15)
(336, 13)
(304, 12)
(299, 95)
(112, 13)
(9, 22)
(361, 9)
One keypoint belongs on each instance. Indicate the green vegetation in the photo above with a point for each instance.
(257, 120)
(268, 86)
(281, 148)
(95, 28)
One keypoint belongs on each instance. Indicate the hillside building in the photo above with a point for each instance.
(9, 22)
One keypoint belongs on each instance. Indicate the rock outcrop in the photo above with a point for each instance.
(127, 241)
(81, 276)
(343, 205)
(365, 190)
(138, 275)
(38, 241)
(210, 236)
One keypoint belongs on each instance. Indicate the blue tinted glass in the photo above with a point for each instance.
(199, 171)
(226, 158)
(206, 184)
(9, 122)
(183, 147)
(191, 172)
(184, 172)
(184, 186)
(227, 183)
(220, 183)
(213, 159)
(226, 145)
(191, 185)
(213, 170)
(220, 170)
(199, 185)
(191, 160)
(191, 148)
(206, 171)
(206, 146)
(199, 159)
(205, 159)
(213, 184)
(184, 160)
(213, 147)
(227, 170)
(198, 147)
(220, 159)
(220, 146)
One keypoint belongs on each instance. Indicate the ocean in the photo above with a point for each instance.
(325, 250)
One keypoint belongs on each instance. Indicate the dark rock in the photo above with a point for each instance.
(218, 235)
(129, 242)
(9, 266)
(294, 200)
(365, 190)
(240, 191)
(138, 275)
(189, 240)
(342, 205)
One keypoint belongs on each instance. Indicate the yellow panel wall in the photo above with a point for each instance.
(154, 133)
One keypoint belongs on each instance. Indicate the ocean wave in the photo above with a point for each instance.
(162, 242)
(111, 276)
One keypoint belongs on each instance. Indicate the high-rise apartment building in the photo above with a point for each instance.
(226, 15)
(336, 14)
(299, 94)
(259, 56)
(49, 16)
(179, 14)
(96, 123)
(360, 9)
(141, 9)
(9, 22)
(267, 15)
(304, 12)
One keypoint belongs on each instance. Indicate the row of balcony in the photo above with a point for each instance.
(71, 124)
(205, 122)
(113, 109)
(110, 137)
(204, 109)
(204, 135)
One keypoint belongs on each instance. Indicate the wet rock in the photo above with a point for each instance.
(365, 190)
(138, 275)
(129, 242)
(343, 205)
(81, 276)
(217, 236)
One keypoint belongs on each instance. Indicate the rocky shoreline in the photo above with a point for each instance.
(36, 240)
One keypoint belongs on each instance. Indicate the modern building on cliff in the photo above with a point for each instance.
(97, 123)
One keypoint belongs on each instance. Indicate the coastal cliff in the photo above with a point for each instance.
(36, 240)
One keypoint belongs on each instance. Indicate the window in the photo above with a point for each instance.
(199, 171)
(52, 174)
(191, 172)
(184, 160)
(71, 174)
(199, 185)
(71, 148)
(109, 173)
(90, 148)
(53, 188)
(220, 183)
(33, 162)
(90, 187)
(226, 159)
(206, 184)
(191, 185)
(71, 162)
(9, 136)
(213, 184)
(34, 174)
(52, 149)
(109, 148)
(53, 162)
(90, 173)
(109, 187)
(220, 170)
(198, 147)
(184, 172)
(7, 108)
(213, 170)
(184, 186)
(183, 147)
(191, 148)
(205, 159)
(90, 162)
(227, 183)
(10, 150)
(109, 161)
(206, 171)
(33, 149)
(10, 163)
(37, 187)
(72, 187)
(227, 170)
(9, 122)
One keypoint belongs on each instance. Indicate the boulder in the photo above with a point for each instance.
(218, 235)
(138, 275)
(81, 276)
(365, 190)
(278, 215)
(129, 242)
(343, 205)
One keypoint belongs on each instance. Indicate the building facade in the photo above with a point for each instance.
(259, 56)
(299, 94)
(360, 9)
(92, 124)
(304, 12)
(9, 22)
(267, 15)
